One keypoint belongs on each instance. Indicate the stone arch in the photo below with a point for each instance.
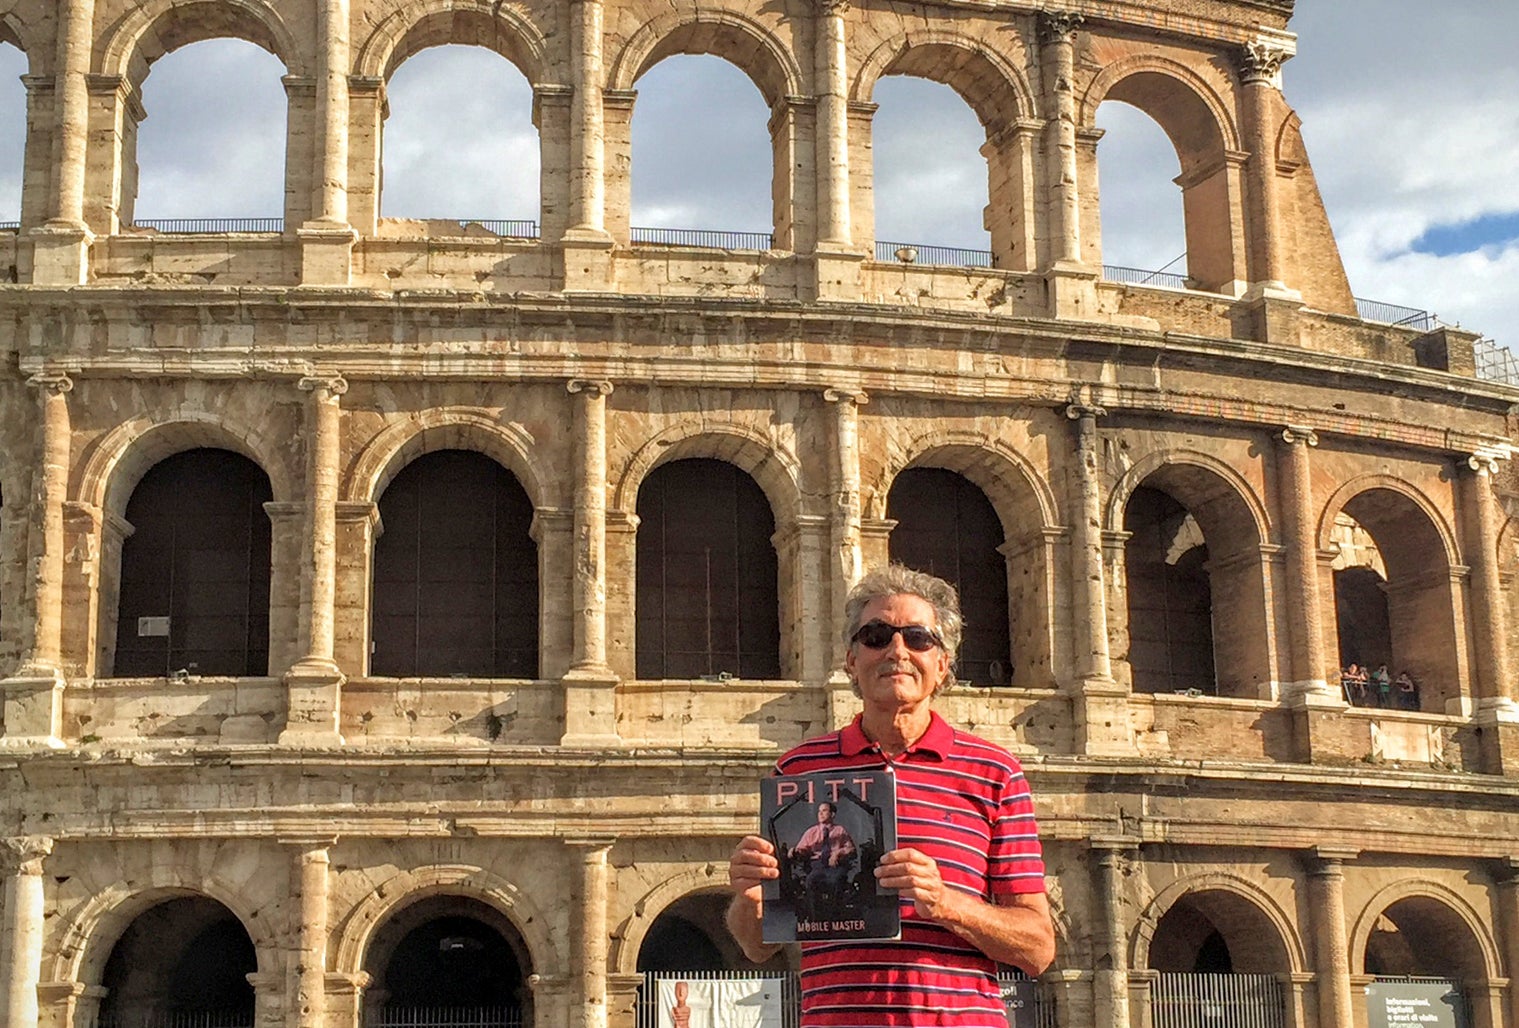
(1169, 82)
(993, 87)
(91, 930)
(445, 428)
(119, 459)
(20, 34)
(156, 27)
(498, 27)
(1365, 483)
(742, 41)
(1248, 500)
(776, 470)
(648, 907)
(351, 939)
(1238, 889)
(995, 467)
(1489, 962)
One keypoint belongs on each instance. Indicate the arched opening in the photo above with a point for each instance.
(214, 144)
(707, 595)
(689, 935)
(1394, 602)
(1420, 948)
(447, 960)
(701, 155)
(459, 141)
(185, 961)
(195, 569)
(13, 66)
(947, 527)
(1195, 616)
(1170, 596)
(1217, 954)
(933, 197)
(1143, 220)
(455, 572)
(1209, 178)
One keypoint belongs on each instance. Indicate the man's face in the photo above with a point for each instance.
(896, 676)
(825, 813)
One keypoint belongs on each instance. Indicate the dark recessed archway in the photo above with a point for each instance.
(185, 960)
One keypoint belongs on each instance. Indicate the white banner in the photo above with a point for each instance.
(728, 1003)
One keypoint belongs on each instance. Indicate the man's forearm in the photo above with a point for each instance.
(1019, 936)
(744, 919)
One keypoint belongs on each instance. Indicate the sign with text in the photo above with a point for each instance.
(1413, 1005)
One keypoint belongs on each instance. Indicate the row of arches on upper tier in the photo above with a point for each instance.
(1193, 106)
(462, 938)
(459, 563)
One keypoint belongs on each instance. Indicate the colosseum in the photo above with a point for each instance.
(376, 632)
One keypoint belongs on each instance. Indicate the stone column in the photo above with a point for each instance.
(1508, 929)
(314, 680)
(345, 999)
(1110, 976)
(308, 970)
(61, 245)
(1072, 285)
(21, 942)
(327, 241)
(844, 565)
(1100, 704)
(1305, 623)
(832, 127)
(591, 940)
(1479, 515)
(587, 246)
(33, 696)
(1260, 67)
(1331, 952)
(590, 687)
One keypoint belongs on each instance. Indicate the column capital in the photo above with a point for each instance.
(1058, 26)
(56, 383)
(592, 848)
(1294, 434)
(1261, 60)
(596, 386)
(323, 387)
(1483, 463)
(1330, 860)
(305, 844)
(844, 394)
(1076, 410)
(23, 854)
(832, 8)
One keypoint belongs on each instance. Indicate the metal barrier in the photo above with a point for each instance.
(951, 256)
(1141, 277)
(648, 992)
(210, 226)
(510, 228)
(1218, 1001)
(1496, 363)
(1396, 315)
(180, 1019)
(10, 226)
(446, 1017)
(703, 237)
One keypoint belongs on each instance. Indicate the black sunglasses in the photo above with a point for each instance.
(876, 635)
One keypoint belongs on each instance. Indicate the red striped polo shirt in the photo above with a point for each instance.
(964, 802)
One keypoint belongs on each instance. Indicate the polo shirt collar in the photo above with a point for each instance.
(935, 744)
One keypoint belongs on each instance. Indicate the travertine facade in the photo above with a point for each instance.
(1209, 800)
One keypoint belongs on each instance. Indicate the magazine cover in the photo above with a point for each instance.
(830, 830)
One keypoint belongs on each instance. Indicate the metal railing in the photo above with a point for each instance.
(1396, 315)
(10, 226)
(179, 1019)
(648, 992)
(446, 1017)
(209, 226)
(713, 239)
(1218, 1001)
(922, 253)
(507, 228)
(1141, 277)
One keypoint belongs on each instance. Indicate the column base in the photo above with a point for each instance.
(33, 699)
(1100, 707)
(836, 272)
(1071, 291)
(1497, 722)
(590, 708)
(313, 685)
(61, 254)
(326, 253)
(1317, 725)
(587, 258)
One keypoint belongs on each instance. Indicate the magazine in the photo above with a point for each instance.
(830, 830)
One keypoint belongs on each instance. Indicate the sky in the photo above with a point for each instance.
(1411, 119)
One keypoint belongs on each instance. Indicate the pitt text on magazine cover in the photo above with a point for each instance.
(830, 830)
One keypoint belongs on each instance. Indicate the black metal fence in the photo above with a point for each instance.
(712, 239)
(1218, 1001)
(648, 992)
(1141, 277)
(211, 226)
(242, 1018)
(923, 253)
(446, 1017)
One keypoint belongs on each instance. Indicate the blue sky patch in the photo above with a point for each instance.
(1446, 240)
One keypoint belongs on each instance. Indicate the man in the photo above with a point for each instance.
(968, 869)
(827, 849)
